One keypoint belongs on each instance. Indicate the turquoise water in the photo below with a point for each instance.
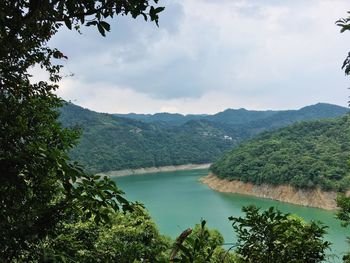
(177, 200)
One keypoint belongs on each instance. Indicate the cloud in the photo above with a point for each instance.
(265, 54)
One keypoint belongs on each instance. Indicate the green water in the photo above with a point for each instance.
(177, 200)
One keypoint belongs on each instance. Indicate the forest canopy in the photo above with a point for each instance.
(109, 142)
(305, 155)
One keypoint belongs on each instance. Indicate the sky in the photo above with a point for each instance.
(210, 55)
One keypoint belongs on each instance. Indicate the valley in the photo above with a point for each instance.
(110, 142)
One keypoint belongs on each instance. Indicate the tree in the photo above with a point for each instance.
(344, 24)
(132, 237)
(272, 236)
(200, 245)
(40, 189)
(343, 201)
(343, 214)
(27, 25)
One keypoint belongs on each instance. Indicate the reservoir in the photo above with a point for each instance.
(177, 201)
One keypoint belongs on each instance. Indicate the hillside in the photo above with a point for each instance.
(304, 155)
(288, 117)
(110, 142)
(113, 143)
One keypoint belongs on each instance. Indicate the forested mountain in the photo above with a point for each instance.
(169, 118)
(285, 118)
(305, 155)
(111, 142)
(239, 116)
(243, 116)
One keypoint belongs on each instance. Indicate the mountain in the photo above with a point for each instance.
(239, 116)
(285, 118)
(114, 142)
(242, 116)
(169, 118)
(109, 142)
(304, 155)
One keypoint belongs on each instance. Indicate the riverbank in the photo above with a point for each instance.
(171, 168)
(284, 193)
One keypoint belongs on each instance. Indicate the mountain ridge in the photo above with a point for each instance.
(111, 142)
(230, 115)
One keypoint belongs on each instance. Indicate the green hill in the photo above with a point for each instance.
(288, 117)
(111, 142)
(305, 155)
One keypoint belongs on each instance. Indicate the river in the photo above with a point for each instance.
(177, 200)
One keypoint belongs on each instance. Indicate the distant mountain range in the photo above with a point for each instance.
(243, 116)
(120, 141)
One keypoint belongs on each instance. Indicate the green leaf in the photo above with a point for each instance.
(105, 25)
(68, 22)
(101, 29)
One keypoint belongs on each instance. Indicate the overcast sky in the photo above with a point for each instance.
(209, 55)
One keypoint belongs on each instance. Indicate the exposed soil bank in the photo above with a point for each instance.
(171, 168)
(313, 198)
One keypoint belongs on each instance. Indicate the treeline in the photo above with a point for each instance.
(305, 155)
(110, 142)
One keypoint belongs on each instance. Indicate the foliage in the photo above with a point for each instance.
(113, 143)
(110, 142)
(344, 24)
(39, 188)
(343, 214)
(343, 202)
(27, 25)
(305, 155)
(131, 237)
(200, 245)
(272, 236)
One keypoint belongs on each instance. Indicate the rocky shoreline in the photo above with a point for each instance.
(171, 168)
(285, 193)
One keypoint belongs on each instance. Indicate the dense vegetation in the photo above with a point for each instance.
(51, 210)
(305, 155)
(271, 236)
(41, 191)
(110, 142)
(113, 143)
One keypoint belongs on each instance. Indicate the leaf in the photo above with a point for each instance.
(159, 9)
(203, 222)
(101, 29)
(68, 22)
(105, 25)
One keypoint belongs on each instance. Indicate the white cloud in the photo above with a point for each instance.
(210, 55)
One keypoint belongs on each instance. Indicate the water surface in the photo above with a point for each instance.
(177, 200)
